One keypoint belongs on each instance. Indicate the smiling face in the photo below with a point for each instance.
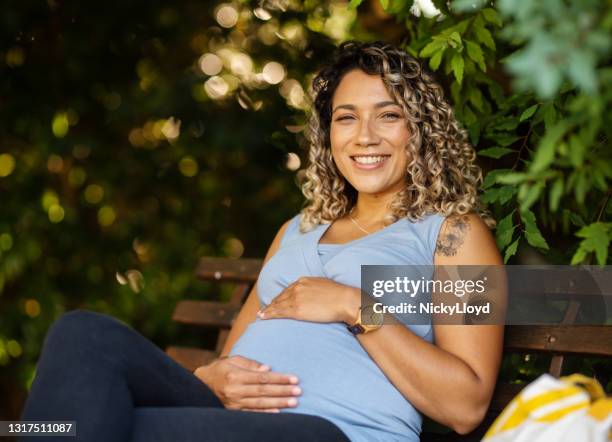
(368, 134)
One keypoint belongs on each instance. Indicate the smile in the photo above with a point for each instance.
(368, 162)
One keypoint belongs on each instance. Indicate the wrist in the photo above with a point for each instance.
(352, 305)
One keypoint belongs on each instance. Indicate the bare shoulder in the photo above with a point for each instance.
(466, 239)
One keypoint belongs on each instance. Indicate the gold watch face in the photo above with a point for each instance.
(370, 317)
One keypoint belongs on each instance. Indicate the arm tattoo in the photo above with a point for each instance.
(453, 236)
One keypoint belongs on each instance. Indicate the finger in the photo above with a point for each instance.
(264, 410)
(268, 402)
(251, 377)
(247, 363)
(269, 390)
(277, 309)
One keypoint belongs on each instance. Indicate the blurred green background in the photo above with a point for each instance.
(137, 136)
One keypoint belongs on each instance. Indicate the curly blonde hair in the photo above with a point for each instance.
(442, 176)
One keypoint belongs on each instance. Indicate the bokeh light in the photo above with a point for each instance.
(106, 216)
(188, 166)
(216, 87)
(241, 64)
(262, 14)
(15, 57)
(233, 248)
(227, 16)
(60, 124)
(293, 161)
(171, 128)
(94, 193)
(49, 198)
(77, 176)
(56, 213)
(273, 72)
(7, 164)
(55, 163)
(6, 241)
(32, 308)
(210, 64)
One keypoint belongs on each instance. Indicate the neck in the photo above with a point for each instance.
(372, 208)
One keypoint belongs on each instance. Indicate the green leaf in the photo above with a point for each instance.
(384, 4)
(502, 194)
(434, 62)
(504, 231)
(579, 256)
(483, 35)
(528, 113)
(596, 239)
(576, 219)
(495, 152)
(476, 98)
(432, 47)
(576, 151)
(475, 53)
(511, 250)
(512, 178)
(545, 151)
(457, 65)
(582, 186)
(506, 139)
(491, 177)
(555, 194)
(454, 40)
(532, 233)
(532, 194)
(354, 3)
(492, 16)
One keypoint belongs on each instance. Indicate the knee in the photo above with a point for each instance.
(85, 326)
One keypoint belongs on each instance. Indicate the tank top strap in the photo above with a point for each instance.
(428, 229)
(292, 230)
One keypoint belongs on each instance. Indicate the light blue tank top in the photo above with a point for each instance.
(339, 380)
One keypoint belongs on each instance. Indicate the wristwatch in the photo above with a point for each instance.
(366, 314)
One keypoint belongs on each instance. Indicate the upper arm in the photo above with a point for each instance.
(248, 312)
(466, 240)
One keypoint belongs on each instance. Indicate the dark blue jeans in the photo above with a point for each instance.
(118, 386)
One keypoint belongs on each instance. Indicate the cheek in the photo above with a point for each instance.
(338, 135)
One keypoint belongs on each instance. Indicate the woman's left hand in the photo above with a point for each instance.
(315, 299)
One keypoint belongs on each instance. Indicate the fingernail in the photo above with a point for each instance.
(296, 390)
(293, 379)
(292, 402)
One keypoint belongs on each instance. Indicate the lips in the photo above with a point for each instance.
(369, 162)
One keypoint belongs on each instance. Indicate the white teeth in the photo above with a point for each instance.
(369, 159)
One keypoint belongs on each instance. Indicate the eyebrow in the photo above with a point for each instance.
(377, 105)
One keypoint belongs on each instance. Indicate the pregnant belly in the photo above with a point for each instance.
(338, 378)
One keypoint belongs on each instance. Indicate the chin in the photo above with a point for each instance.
(369, 190)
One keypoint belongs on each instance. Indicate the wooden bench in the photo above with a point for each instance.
(558, 341)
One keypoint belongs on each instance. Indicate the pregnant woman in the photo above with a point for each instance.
(391, 180)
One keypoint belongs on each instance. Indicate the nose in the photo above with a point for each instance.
(367, 134)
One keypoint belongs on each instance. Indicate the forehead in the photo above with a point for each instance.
(358, 87)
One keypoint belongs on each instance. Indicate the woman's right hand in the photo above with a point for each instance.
(244, 384)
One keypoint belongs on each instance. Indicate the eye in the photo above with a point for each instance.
(345, 117)
(392, 116)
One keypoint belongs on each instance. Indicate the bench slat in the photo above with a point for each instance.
(205, 313)
(191, 358)
(228, 269)
(591, 340)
